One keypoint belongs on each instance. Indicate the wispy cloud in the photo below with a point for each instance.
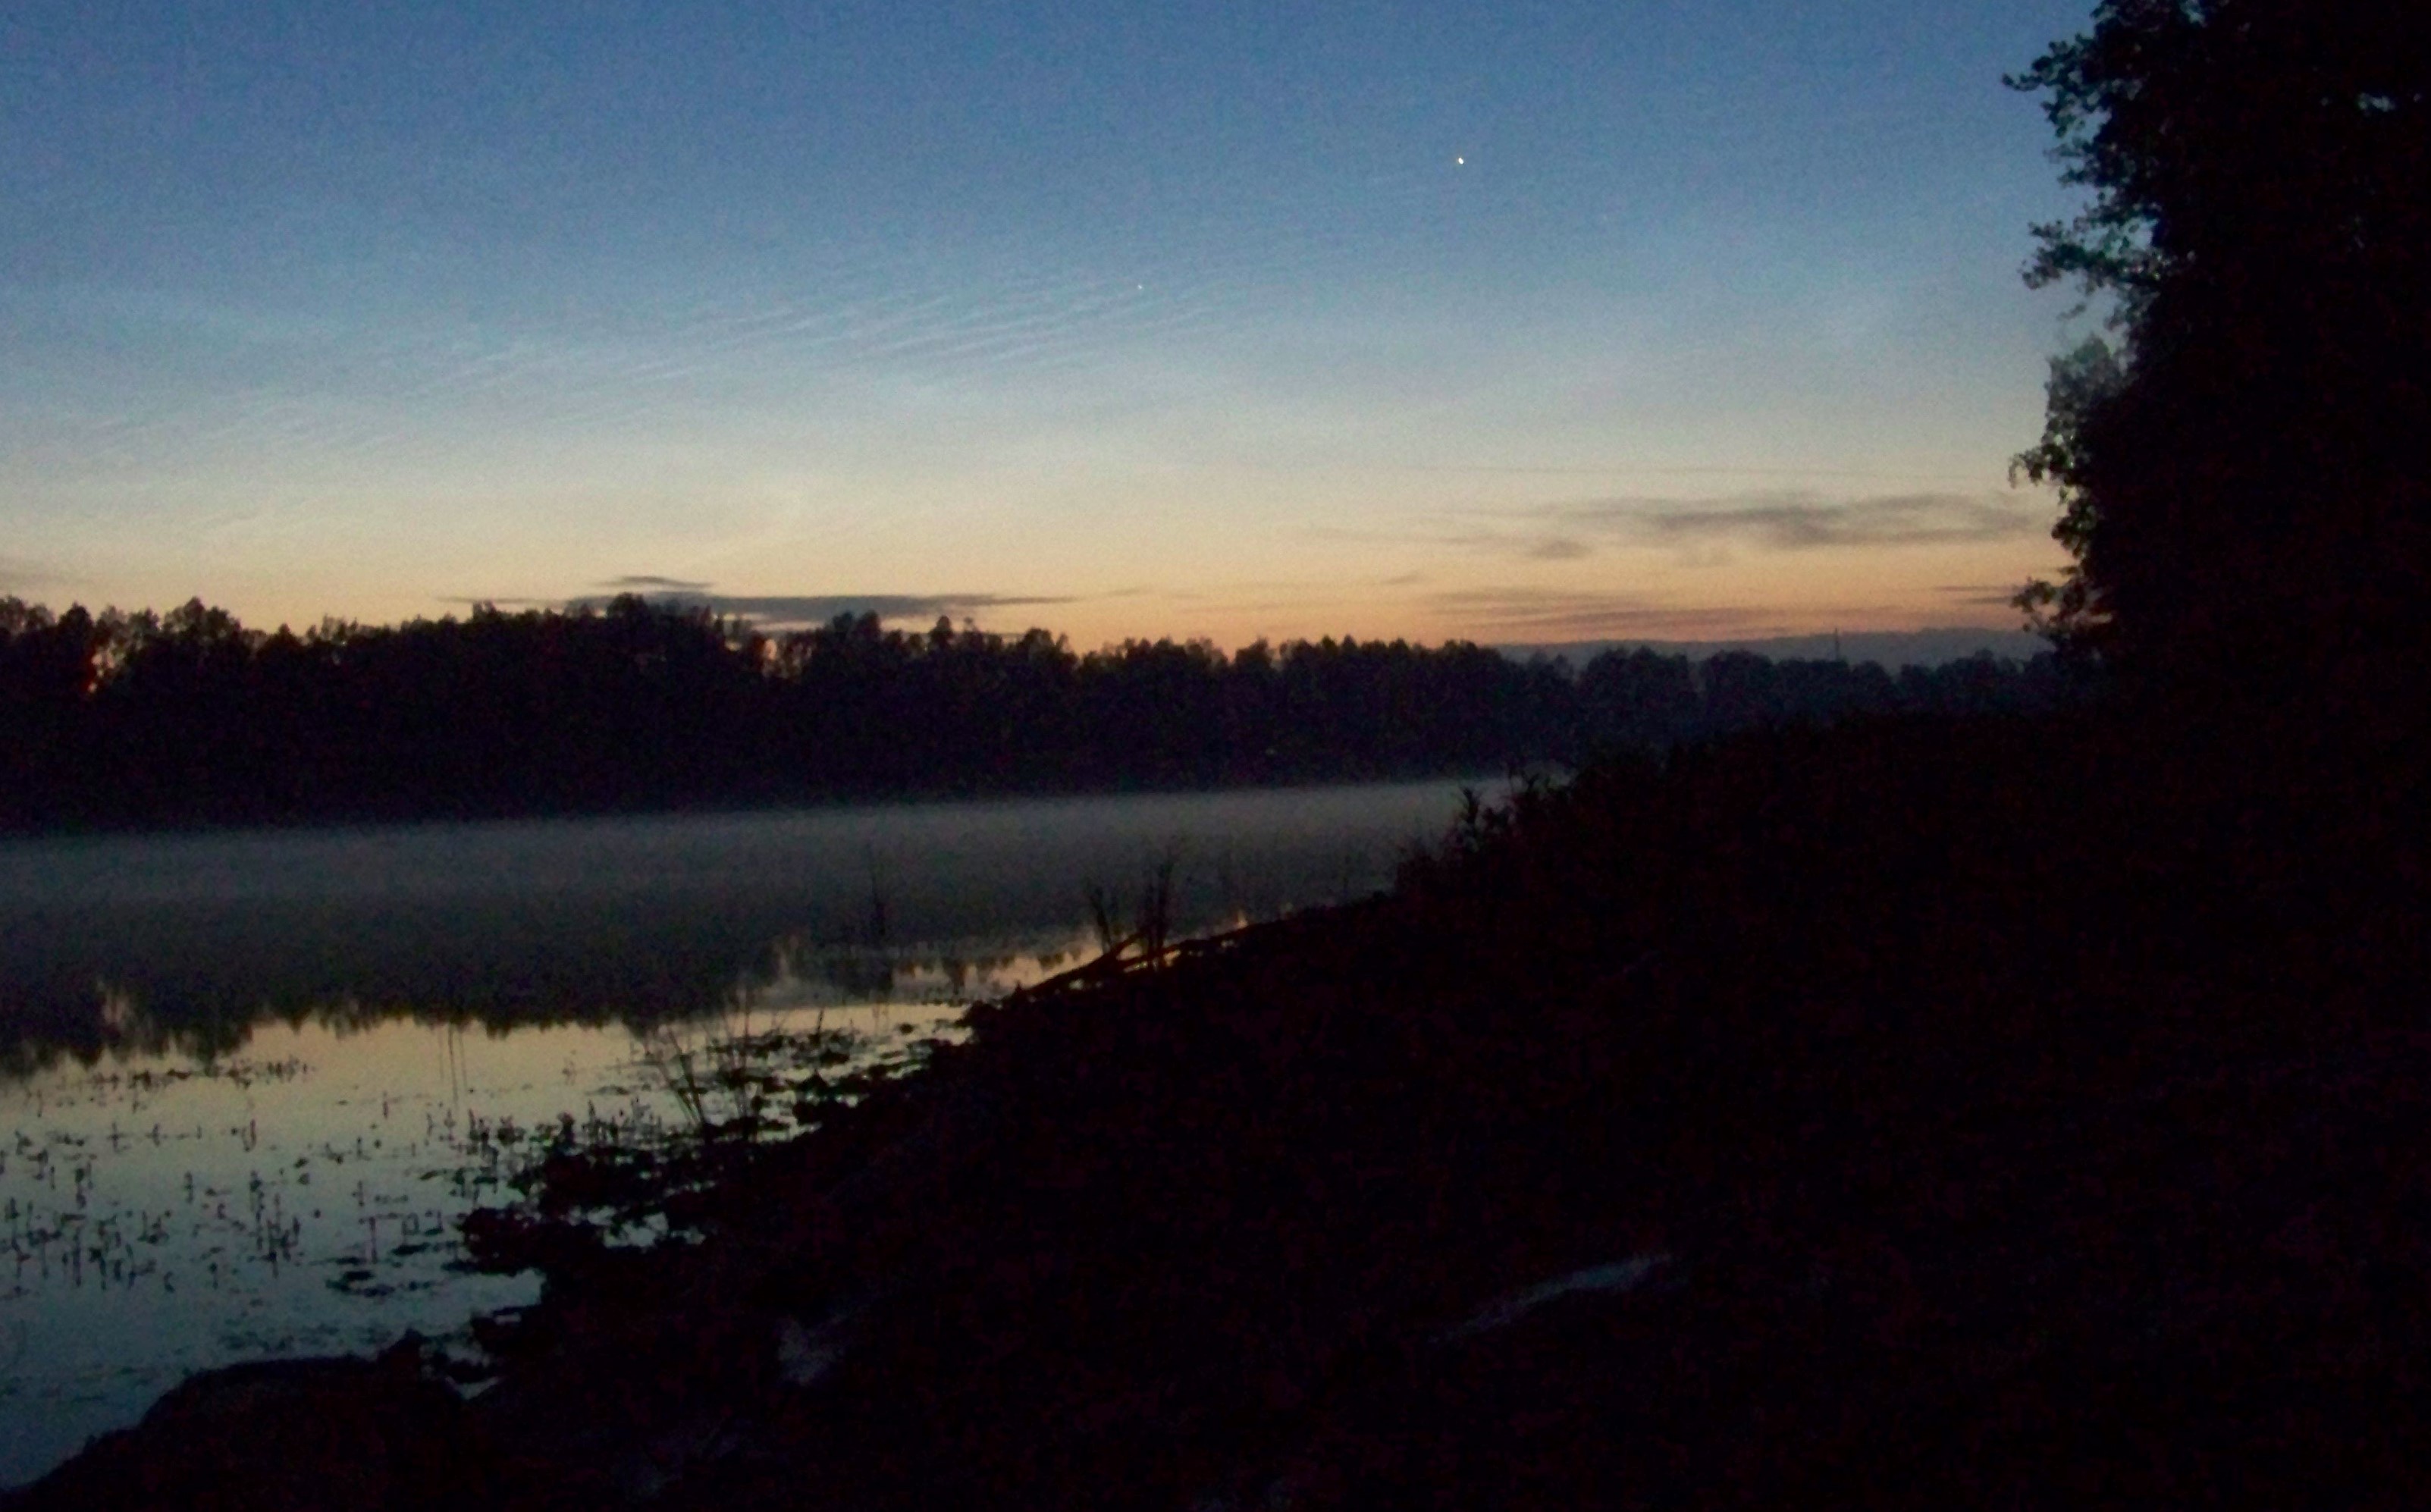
(1979, 595)
(1558, 548)
(1761, 521)
(1804, 522)
(1530, 614)
(652, 583)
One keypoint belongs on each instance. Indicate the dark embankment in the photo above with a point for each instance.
(1918, 1112)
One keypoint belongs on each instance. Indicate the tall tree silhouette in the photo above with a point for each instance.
(2240, 460)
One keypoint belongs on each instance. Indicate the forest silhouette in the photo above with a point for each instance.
(191, 717)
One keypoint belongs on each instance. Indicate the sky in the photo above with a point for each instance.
(1530, 322)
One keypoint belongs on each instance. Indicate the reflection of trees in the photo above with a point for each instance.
(45, 1023)
(857, 973)
(198, 985)
(189, 715)
(198, 980)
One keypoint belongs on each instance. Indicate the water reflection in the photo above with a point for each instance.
(303, 1198)
(251, 1083)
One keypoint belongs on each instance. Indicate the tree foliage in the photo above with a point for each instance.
(189, 716)
(2240, 459)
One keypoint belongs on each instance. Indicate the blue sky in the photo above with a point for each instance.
(1524, 322)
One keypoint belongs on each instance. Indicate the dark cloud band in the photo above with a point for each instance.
(781, 610)
(1772, 521)
(1803, 523)
(1554, 615)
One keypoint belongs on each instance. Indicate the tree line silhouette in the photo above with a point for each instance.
(189, 716)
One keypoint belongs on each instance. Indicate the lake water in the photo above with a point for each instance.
(249, 1083)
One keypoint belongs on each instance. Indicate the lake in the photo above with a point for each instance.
(250, 1082)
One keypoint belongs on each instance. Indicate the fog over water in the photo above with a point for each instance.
(250, 1082)
(187, 939)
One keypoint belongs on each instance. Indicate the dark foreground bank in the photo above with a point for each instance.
(1918, 1112)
